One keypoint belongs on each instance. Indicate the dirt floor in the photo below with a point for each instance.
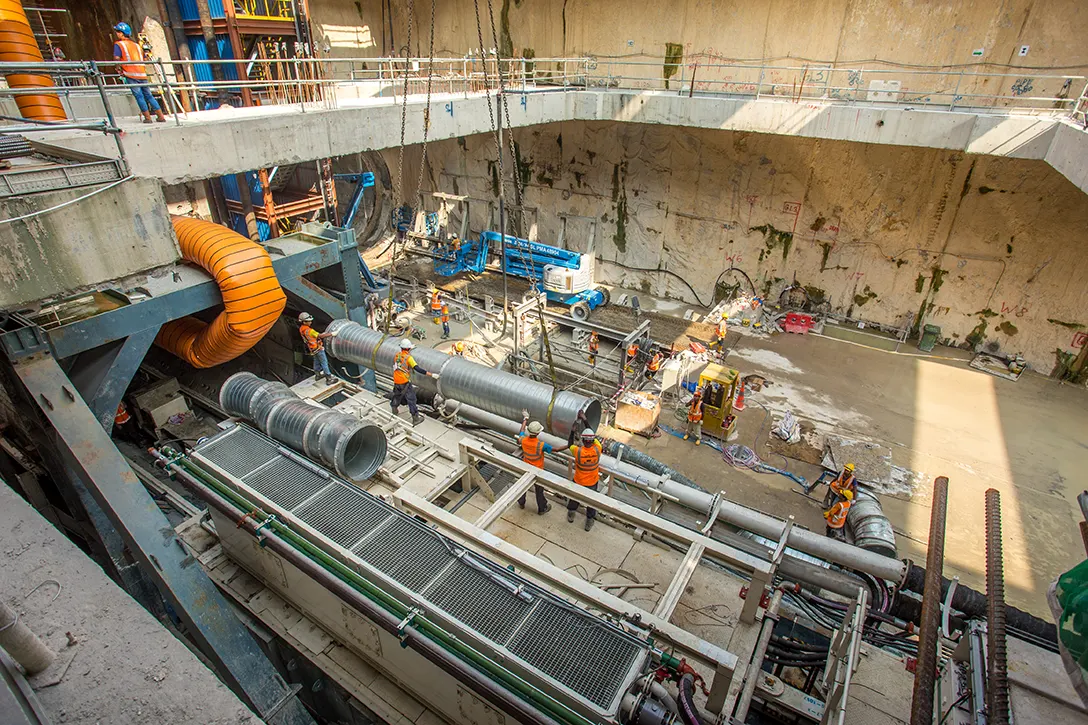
(938, 417)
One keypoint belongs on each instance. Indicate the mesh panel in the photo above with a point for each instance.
(476, 600)
(579, 651)
(286, 483)
(343, 514)
(238, 451)
(406, 552)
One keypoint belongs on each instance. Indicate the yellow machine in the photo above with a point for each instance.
(719, 386)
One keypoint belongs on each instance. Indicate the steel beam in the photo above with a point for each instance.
(103, 375)
(152, 541)
(315, 296)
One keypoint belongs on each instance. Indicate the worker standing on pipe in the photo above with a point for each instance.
(133, 71)
(695, 418)
(445, 321)
(315, 345)
(587, 472)
(403, 390)
(836, 515)
(532, 452)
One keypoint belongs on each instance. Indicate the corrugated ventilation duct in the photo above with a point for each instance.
(17, 45)
(252, 297)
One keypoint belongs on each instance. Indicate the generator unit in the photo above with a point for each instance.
(719, 386)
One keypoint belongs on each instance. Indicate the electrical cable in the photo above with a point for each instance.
(78, 199)
(953, 706)
(669, 272)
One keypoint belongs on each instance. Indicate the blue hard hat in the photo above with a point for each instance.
(123, 28)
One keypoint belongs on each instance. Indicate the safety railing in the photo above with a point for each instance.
(185, 86)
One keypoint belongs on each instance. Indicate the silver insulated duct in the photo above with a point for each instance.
(477, 385)
(868, 525)
(353, 449)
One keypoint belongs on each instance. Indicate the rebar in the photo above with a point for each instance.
(925, 675)
(997, 676)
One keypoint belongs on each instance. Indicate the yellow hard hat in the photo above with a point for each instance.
(849, 467)
(847, 494)
(459, 346)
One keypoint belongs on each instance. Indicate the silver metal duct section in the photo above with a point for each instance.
(868, 525)
(813, 543)
(353, 449)
(494, 391)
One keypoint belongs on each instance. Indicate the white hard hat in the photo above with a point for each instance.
(406, 345)
(535, 427)
(305, 317)
(588, 433)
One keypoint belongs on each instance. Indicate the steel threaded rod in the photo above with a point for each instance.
(925, 674)
(997, 676)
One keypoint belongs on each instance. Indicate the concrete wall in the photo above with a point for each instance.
(990, 249)
(120, 232)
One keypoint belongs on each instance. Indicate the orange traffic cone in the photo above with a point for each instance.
(738, 404)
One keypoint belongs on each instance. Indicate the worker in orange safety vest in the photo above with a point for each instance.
(445, 321)
(695, 418)
(720, 332)
(532, 452)
(593, 346)
(653, 366)
(131, 68)
(587, 472)
(632, 355)
(459, 348)
(436, 303)
(845, 481)
(315, 345)
(836, 515)
(403, 390)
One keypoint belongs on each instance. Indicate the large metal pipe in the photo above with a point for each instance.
(651, 464)
(495, 391)
(925, 675)
(791, 568)
(868, 525)
(350, 447)
(502, 698)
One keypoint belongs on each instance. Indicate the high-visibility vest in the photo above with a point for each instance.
(532, 450)
(436, 301)
(695, 411)
(402, 368)
(632, 351)
(122, 415)
(723, 328)
(587, 465)
(132, 60)
(836, 515)
(841, 484)
(655, 364)
(312, 343)
(445, 313)
(594, 344)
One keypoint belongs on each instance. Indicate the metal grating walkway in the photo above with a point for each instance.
(589, 657)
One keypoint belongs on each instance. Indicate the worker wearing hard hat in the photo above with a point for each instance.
(315, 345)
(695, 418)
(532, 452)
(845, 481)
(404, 365)
(445, 316)
(653, 366)
(459, 348)
(836, 515)
(436, 304)
(131, 68)
(587, 472)
(593, 346)
(720, 332)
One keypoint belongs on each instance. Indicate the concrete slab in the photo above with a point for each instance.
(127, 667)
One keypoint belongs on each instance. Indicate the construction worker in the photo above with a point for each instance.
(653, 366)
(123, 427)
(836, 515)
(632, 355)
(445, 321)
(845, 481)
(315, 345)
(532, 452)
(593, 346)
(695, 418)
(720, 333)
(133, 71)
(403, 390)
(459, 348)
(436, 303)
(587, 472)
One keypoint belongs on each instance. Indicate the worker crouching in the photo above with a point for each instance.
(404, 365)
(587, 472)
(532, 452)
(836, 515)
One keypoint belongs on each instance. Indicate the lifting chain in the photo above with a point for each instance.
(426, 110)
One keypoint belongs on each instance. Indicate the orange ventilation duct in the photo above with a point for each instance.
(17, 45)
(252, 298)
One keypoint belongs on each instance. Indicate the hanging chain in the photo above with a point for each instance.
(506, 107)
(403, 118)
(426, 110)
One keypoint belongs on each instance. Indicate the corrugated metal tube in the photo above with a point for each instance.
(494, 391)
(350, 447)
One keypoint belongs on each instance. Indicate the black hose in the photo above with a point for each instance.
(695, 294)
(796, 644)
(739, 271)
(688, 711)
(793, 663)
(972, 604)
